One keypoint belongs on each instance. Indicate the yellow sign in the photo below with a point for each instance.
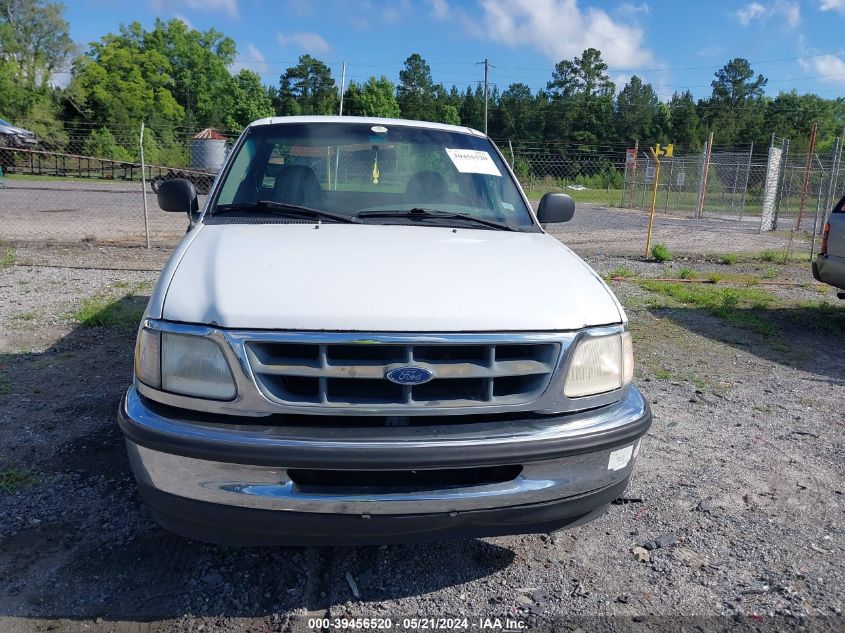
(668, 151)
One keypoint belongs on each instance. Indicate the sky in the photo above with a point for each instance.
(673, 44)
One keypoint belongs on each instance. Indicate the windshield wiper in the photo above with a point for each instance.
(420, 213)
(284, 208)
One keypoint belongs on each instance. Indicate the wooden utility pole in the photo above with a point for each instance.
(487, 66)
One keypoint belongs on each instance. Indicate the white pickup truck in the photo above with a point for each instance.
(366, 336)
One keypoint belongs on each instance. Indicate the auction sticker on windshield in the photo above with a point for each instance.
(472, 161)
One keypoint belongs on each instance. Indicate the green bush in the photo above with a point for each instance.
(660, 253)
(102, 144)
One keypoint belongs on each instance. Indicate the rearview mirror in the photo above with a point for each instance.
(555, 207)
(179, 196)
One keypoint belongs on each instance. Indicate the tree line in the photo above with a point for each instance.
(178, 80)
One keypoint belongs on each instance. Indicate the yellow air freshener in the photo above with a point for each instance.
(375, 170)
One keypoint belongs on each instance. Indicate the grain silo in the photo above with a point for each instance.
(208, 150)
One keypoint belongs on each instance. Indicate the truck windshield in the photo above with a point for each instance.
(374, 174)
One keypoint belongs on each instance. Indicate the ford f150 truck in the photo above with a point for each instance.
(366, 336)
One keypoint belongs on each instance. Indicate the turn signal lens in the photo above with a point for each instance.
(148, 357)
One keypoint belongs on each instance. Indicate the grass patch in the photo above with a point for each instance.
(771, 273)
(105, 311)
(661, 253)
(687, 273)
(736, 305)
(13, 479)
(663, 374)
(698, 383)
(8, 257)
(729, 259)
(621, 271)
(29, 315)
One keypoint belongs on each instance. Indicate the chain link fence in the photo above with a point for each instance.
(65, 192)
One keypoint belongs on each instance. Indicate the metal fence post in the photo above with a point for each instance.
(747, 176)
(805, 185)
(834, 169)
(144, 188)
(702, 180)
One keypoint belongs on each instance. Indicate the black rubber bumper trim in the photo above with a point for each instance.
(444, 455)
(230, 525)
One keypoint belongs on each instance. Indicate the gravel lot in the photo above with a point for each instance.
(743, 468)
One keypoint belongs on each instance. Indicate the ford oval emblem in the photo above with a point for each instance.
(409, 375)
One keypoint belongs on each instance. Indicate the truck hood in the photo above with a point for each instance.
(384, 279)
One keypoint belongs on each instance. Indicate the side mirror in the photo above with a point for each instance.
(178, 195)
(555, 207)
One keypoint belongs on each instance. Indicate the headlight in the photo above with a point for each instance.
(600, 364)
(183, 364)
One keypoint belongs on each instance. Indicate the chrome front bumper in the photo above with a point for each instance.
(245, 467)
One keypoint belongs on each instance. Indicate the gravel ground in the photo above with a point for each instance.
(742, 470)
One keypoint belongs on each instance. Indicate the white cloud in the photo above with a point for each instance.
(309, 42)
(440, 9)
(229, 7)
(750, 12)
(788, 10)
(630, 10)
(832, 5)
(558, 29)
(829, 68)
(253, 59)
(712, 50)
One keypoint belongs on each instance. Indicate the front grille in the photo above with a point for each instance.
(344, 374)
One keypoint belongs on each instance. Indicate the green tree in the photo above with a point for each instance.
(198, 63)
(736, 108)
(448, 114)
(791, 115)
(376, 97)
(471, 107)
(123, 82)
(102, 143)
(581, 100)
(684, 123)
(517, 115)
(638, 114)
(250, 101)
(36, 37)
(415, 93)
(34, 44)
(735, 84)
(308, 88)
